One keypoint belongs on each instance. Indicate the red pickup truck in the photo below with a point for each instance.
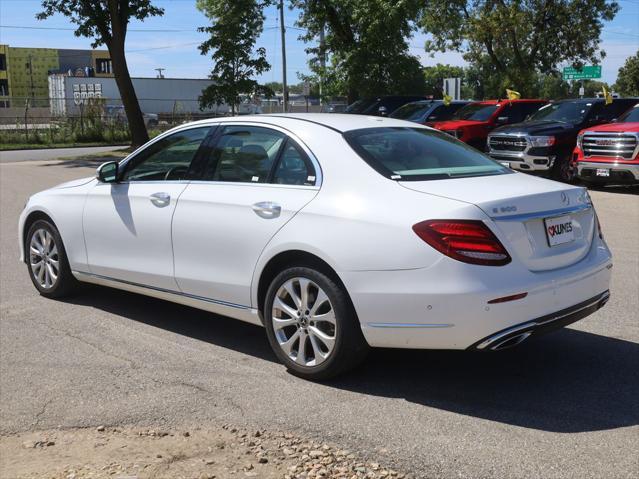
(610, 153)
(472, 123)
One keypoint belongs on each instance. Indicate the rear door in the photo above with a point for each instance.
(251, 182)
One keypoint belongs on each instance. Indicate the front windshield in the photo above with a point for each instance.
(417, 154)
(359, 106)
(476, 112)
(631, 115)
(411, 111)
(565, 111)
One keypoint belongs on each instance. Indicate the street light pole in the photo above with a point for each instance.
(283, 34)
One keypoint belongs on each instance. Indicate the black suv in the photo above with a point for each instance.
(545, 140)
(381, 105)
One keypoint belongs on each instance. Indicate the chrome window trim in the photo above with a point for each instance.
(123, 162)
(318, 169)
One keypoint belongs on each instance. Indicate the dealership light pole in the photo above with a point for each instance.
(283, 33)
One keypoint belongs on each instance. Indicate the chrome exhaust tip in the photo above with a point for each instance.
(511, 342)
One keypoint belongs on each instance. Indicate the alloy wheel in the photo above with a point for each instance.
(44, 259)
(304, 322)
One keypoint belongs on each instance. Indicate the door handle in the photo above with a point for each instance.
(160, 199)
(267, 209)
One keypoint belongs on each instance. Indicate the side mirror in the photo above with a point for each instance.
(502, 120)
(107, 172)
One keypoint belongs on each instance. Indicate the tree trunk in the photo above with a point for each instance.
(134, 117)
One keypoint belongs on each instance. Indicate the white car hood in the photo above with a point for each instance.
(74, 183)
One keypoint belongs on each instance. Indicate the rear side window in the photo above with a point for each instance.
(419, 154)
(243, 154)
(294, 167)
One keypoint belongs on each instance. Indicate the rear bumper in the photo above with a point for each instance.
(517, 334)
(619, 172)
(446, 306)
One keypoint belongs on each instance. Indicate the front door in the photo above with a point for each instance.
(127, 224)
(252, 182)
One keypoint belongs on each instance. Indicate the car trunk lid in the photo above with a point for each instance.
(532, 215)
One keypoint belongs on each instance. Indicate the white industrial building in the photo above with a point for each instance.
(163, 96)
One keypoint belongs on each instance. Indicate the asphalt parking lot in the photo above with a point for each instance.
(565, 405)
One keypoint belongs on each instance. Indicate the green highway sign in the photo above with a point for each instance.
(586, 72)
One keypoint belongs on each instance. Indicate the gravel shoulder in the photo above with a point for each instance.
(199, 453)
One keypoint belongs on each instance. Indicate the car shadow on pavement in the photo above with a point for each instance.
(568, 381)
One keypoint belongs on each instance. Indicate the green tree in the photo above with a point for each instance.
(367, 45)
(434, 78)
(592, 87)
(235, 26)
(519, 37)
(628, 77)
(553, 87)
(106, 21)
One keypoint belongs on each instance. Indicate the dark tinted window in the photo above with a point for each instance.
(475, 111)
(566, 111)
(166, 159)
(419, 154)
(360, 105)
(3, 62)
(519, 111)
(243, 154)
(631, 115)
(294, 167)
(444, 112)
(613, 110)
(411, 111)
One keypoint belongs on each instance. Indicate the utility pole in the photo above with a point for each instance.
(30, 66)
(160, 70)
(322, 59)
(283, 34)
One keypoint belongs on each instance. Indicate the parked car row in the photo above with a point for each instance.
(533, 135)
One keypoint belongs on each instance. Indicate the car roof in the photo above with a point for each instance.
(339, 122)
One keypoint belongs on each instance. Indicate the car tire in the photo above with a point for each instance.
(327, 334)
(563, 169)
(44, 247)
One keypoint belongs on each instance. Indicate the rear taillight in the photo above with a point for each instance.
(469, 241)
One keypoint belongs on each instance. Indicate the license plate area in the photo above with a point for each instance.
(602, 172)
(559, 230)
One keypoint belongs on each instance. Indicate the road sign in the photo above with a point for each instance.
(452, 87)
(586, 72)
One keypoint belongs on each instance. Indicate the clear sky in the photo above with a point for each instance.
(173, 44)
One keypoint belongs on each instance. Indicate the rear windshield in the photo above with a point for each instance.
(565, 111)
(631, 115)
(417, 154)
(476, 112)
(411, 111)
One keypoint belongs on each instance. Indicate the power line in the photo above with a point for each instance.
(150, 30)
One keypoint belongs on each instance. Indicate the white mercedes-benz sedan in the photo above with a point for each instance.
(335, 232)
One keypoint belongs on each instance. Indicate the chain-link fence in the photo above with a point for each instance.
(73, 120)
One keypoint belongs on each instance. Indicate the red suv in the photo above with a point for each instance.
(472, 123)
(610, 153)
